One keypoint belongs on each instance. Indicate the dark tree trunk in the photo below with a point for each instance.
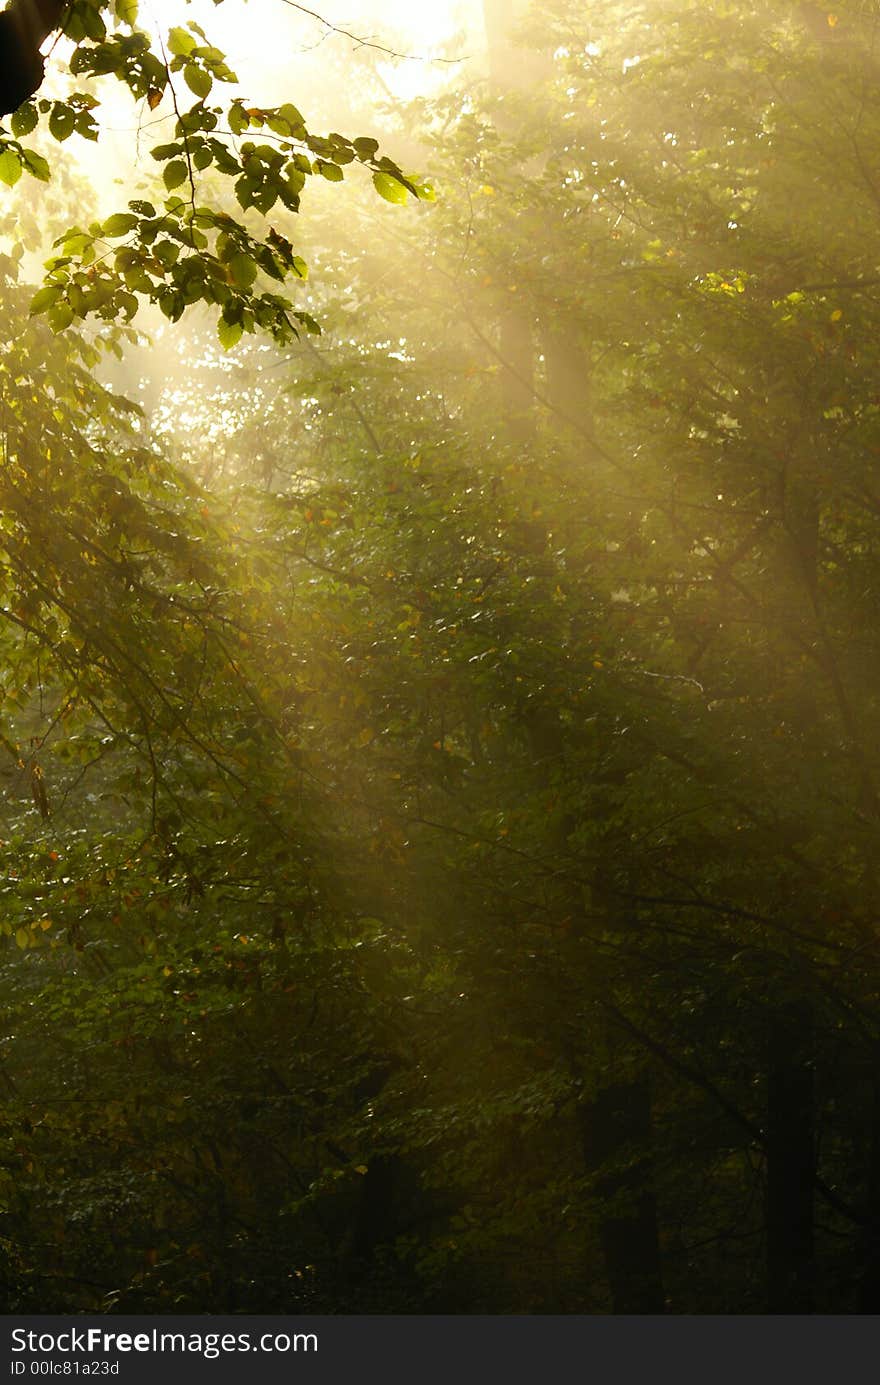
(616, 1134)
(568, 372)
(791, 1162)
(616, 1124)
(499, 18)
(517, 352)
(802, 517)
(378, 1213)
(23, 27)
(869, 1284)
(516, 346)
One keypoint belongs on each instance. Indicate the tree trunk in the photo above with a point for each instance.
(516, 346)
(616, 1136)
(869, 1283)
(791, 1163)
(568, 374)
(23, 27)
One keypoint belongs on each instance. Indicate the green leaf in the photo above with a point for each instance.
(174, 174)
(167, 252)
(243, 270)
(120, 224)
(229, 333)
(92, 22)
(198, 80)
(287, 120)
(22, 937)
(10, 168)
(390, 188)
(60, 316)
(172, 304)
(180, 43)
(290, 113)
(239, 120)
(332, 172)
(45, 297)
(127, 11)
(35, 164)
(86, 126)
(311, 325)
(24, 119)
(75, 240)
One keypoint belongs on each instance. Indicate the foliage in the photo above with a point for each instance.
(184, 250)
(442, 836)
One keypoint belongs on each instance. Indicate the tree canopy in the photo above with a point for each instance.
(440, 797)
(189, 248)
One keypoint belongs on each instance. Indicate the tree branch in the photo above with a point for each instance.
(361, 42)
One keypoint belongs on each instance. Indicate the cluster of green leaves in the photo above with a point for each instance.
(189, 251)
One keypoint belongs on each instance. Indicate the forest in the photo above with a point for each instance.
(440, 658)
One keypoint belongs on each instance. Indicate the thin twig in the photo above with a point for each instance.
(368, 43)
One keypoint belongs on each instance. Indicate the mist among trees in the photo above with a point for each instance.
(440, 663)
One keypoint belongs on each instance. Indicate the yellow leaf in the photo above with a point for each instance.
(22, 937)
(837, 315)
(832, 21)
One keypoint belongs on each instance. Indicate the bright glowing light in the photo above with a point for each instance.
(279, 54)
(273, 41)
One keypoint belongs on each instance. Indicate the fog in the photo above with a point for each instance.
(282, 54)
(439, 662)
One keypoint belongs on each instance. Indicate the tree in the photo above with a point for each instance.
(452, 881)
(185, 250)
(23, 28)
(673, 541)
